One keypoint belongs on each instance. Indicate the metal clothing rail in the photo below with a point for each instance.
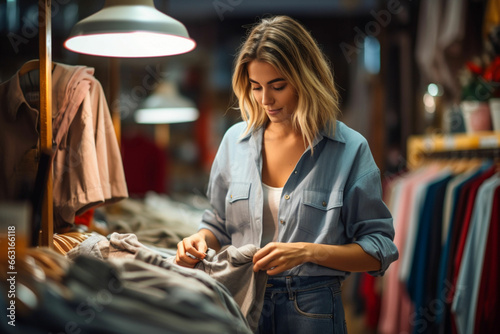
(477, 145)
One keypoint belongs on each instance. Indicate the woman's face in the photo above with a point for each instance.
(272, 91)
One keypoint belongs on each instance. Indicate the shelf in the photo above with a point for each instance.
(421, 145)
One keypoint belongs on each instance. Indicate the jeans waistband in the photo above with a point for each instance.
(300, 283)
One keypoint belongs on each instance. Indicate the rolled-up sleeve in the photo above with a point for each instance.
(368, 220)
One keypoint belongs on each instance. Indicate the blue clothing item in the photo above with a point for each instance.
(333, 196)
(425, 262)
(302, 305)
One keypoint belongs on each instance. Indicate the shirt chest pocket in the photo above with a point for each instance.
(238, 204)
(320, 211)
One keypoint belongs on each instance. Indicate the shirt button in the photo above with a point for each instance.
(295, 172)
(282, 222)
(287, 197)
(324, 203)
(231, 196)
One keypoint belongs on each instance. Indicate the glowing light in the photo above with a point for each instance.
(429, 103)
(129, 29)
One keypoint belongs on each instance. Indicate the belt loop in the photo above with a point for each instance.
(339, 282)
(289, 287)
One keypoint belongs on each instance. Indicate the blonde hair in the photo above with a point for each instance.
(287, 46)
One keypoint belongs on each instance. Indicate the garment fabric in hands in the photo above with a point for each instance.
(150, 270)
(233, 267)
(130, 296)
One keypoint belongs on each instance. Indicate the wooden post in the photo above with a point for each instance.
(114, 96)
(45, 51)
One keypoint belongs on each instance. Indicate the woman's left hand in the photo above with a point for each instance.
(277, 257)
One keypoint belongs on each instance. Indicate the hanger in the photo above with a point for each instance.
(31, 65)
(496, 159)
(456, 161)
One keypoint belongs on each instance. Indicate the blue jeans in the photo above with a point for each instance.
(297, 304)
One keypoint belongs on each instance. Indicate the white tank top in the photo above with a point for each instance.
(272, 197)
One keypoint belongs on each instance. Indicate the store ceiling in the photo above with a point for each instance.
(191, 9)
(15, 14)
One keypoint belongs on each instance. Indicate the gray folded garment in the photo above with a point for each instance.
(118, 245)
(91, 246)
(233, 267)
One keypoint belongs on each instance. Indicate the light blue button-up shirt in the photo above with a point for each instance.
(333, 196)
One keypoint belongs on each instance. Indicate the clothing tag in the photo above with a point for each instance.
(33, 98)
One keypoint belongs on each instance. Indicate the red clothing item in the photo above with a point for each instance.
(85, 218)
(144, 164)
(488, 302)
(371, 298)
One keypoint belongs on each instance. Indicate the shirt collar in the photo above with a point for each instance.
(16, 97)
(335, 134)
(327, 132)
(251, 132)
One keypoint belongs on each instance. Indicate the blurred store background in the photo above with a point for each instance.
(400, 66)
(371, 48)
(383, 61)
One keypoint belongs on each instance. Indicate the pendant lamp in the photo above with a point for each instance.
(129, 29)
(166, 106)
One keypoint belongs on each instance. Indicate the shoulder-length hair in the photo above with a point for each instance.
(286, 45)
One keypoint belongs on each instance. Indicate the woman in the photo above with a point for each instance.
(295, 181)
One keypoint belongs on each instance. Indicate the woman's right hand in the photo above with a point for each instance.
(195, 245)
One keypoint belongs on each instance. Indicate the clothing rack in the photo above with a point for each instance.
(478, 145)
(45, 66)
(443, 208)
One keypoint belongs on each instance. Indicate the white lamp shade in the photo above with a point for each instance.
(166, 106)
(166, 116)
(129, 29)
